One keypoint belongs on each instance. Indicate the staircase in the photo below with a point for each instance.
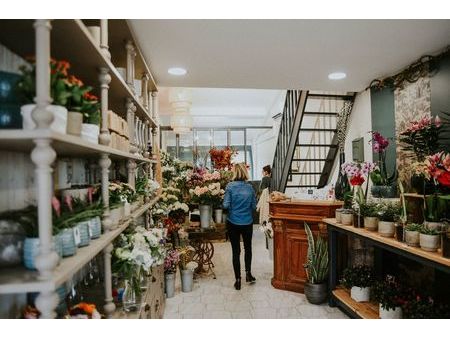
(307, 141)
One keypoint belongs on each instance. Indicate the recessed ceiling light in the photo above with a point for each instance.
(337, 76)
(177, 71)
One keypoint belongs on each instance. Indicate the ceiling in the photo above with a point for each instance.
(285, 54)
(224, 107)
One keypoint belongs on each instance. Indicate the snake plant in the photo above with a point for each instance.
(317, 258)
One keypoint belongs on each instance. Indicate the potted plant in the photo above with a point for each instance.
(187, 268)
(419, 307)
(388, 294)
(63, 226)
(383, 183)
(347, 212)
(12, 237)
(369, 211)
(359, 280)
(412, 232)
(26, 87)
(90, 108)
(388, 214)
(316, 268)
(205, 196)
(170, 268)
(116, 202)
(429, 239)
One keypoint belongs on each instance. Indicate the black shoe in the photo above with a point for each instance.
(237, 284)
(249, 278)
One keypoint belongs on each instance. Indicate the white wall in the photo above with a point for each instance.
(360, 124)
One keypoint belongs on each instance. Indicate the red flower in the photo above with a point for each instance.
(357, 180)
(444, 178)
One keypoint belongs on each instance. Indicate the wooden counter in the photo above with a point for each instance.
(290, 242)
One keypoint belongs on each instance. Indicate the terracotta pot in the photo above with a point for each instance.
(386, 229)
(74, 122)
(371, 223)
(412, 238)
(360, 294)
(429, 242)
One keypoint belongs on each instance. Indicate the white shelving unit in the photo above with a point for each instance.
(71, 40)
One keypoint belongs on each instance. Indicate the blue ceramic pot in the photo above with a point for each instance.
(67, 238)
(83, 228)
(31, 250)
(95, 227)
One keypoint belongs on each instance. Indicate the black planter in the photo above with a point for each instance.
(342, 185)
(399, 232)
(316, 293)
(358, 221)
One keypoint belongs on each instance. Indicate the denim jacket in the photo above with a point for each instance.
(240, 200)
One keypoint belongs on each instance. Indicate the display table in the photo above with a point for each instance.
(290, 242)
(201, 241)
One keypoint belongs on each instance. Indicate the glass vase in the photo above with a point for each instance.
(130, 301)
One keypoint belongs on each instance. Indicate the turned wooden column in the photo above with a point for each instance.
(105, 163)
(109, 306)
(43, 157)
(131, 109)
(146, 138)
(155, 112)
(131, 166)
(144, 90)
(105, 79)
(131, 55)
(104, 38)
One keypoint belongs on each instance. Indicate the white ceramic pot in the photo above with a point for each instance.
(338, 215)
(386, 229)
(115, 215)
(74, 122)
(395, 313)
(347, 218)
(429, 242)
(58, 125)
(412, 238)
(218, 215)
(90, 132)
(126, 209)
(95, 33)
(360, 294)
(371, 223)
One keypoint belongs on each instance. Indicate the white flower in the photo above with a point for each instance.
(192, 265)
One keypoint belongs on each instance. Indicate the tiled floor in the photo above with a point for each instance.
(216, 298)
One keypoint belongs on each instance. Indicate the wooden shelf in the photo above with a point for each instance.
(65, 145)
(365, 310)
(71, 41)
(393, 245)
(21, 280)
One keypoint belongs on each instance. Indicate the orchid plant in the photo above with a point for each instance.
(358, 173)
(380, 175)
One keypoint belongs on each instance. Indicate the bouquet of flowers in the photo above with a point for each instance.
(186, 255)
(116, 195)
(208, 194)
(357, 174)
(221, 158)
(438, 167)
(171, 261)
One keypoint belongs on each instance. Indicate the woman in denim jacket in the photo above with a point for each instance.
(240, 201)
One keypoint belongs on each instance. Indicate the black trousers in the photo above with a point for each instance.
(234, 233)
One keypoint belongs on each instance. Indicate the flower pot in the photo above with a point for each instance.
(115, 215)
(126, 210)
(74, 122)
(59, 123)
(67, 237)
(384, 191)
(205, 215)
(218, 213)
(347, 218)
(360, 294)
(85, 238)
(187, 280)
(90, 132)
(338, 213)
(31, 251)
(95, 227)
(386, 229)
(169, 279)
(316, 293)
(429, 242)
(433, 225)
(395, 313)
(371, 223)
(12, 237)
(412, 238)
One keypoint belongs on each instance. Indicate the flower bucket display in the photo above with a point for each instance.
(115, 215)
(169, 279)
(187, 280)
(58, 125)
(205, 216)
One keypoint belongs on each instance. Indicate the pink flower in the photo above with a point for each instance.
(68, 201)
(437, 121)
(90, 192)
(56, 206)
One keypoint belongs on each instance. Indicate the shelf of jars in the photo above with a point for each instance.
(65, 145)
(21, 280)
(71, 40)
